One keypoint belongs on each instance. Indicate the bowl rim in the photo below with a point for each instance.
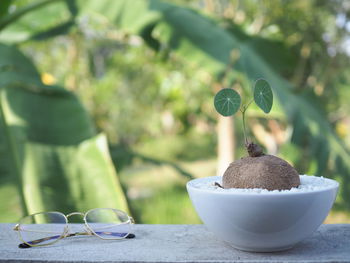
(189, 184)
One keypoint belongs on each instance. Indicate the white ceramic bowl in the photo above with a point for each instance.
(261, 222)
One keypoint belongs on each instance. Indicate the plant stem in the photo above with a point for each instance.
(250, 102)
(243, 110)
(244, 129)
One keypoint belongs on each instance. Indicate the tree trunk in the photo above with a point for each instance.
(226, 143)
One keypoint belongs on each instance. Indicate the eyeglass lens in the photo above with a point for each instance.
(42, 228)
(108, 223)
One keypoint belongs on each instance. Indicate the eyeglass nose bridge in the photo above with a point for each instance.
(67, 230)
(75, 213)
(87, 229)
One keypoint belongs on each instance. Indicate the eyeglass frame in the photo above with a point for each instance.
(66, 233)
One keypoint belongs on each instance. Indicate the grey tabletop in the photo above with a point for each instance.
(174, 243)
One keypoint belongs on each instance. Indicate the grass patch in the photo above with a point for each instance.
(167, 206)
(157, 193)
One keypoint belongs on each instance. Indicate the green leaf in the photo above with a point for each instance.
(58, 30)
(263, 96)
(227, 102)
(10, 18)
(49, 144)
(72, 7)
(71, 178)
(41, 17)
(199, 40)
(4, 6)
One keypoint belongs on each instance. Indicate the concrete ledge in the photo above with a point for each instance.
(174, 243)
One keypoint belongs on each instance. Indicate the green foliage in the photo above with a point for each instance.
(186, 32)
(169, 206)
(124, 80)
(263, 96)
(70, 178)
(227, 102)
(54, 155)
(174, 27)
(4, 7)
(37, 20)
(10, 18)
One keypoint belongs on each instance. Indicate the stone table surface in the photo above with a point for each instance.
(174, 243)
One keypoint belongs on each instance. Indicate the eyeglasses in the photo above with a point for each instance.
(46, 228)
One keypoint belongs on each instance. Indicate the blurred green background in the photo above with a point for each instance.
(110, 103)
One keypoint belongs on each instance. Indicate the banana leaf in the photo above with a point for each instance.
(36, 20)
(202, 41)
(70, 178)
(5, 4)
(50, 146)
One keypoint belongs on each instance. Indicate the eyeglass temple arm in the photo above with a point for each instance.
(34, 242)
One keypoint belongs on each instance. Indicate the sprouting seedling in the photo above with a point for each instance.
(227, 102)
